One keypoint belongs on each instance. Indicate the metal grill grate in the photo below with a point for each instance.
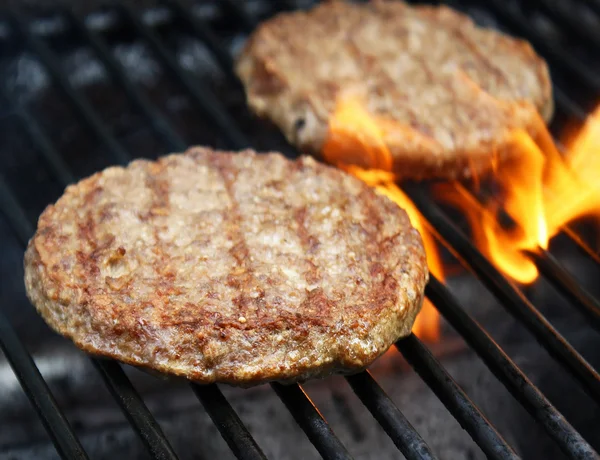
(237, 436)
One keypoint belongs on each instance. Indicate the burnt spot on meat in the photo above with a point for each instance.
(299, 124)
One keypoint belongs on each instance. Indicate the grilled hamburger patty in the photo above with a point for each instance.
(223, 267)
(449, 93)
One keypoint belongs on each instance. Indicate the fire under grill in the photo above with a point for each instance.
(186, 52)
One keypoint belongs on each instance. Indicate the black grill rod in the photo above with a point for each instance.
(50, 62)
(582, 245)
(512, 299)
(507, 372)
(567, 285)
(311, 421)
(560, 278)
(395, 424)
(237, 8)
(563, 16)
(52, 158)
(204, 100)
(594, 5)
(285, 5)
(135, 409)
(230, 426)
(552, 51)
(14, 213)
(26, 371)
(567, 106)
(455, 399)
(206, 35)
(155, 118)
(131, 403)
(37, 391)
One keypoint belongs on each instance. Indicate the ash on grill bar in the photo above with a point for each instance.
(506, 363)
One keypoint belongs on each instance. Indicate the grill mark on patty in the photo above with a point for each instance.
(384, 291)
(371, 65)
(309, 244)
(420, 126)
(159, 187)
(241, 277)
(483, 59)
(88, 257)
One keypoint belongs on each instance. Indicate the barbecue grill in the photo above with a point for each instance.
(147, 124)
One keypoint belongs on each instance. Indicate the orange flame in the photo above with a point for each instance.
(356, 137)
(542, 191)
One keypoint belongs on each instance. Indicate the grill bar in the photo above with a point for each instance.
(582, 245)
(134, 409)
(155, 118)
(230, 426)
(204, 100)
(558, 276)
(83, 108)
(568, 286)
(514, 301)
(311, 421)
(237, 8)
(532, 399)
(567, 106)
(15, 213)
(573, 111)
(455, 399)
(205, 34)
(595, 6)
(406, 438)
(26, 371)
(52, 158)
(39, 394)
(121, 388)
(560, 14)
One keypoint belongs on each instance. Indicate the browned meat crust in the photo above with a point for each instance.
(452, 91)
(222, 267)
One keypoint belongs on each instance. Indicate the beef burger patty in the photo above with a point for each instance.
(228, 267)
(446, 94)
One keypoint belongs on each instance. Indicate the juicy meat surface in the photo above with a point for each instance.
(446, 93)
(228, 267)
